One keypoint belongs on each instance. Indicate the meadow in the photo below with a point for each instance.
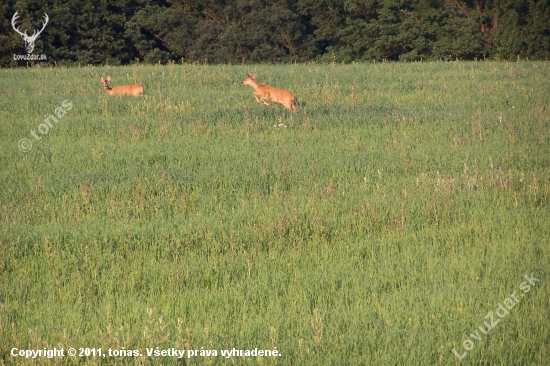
(379, 224)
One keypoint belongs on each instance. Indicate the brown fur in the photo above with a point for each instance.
(131, 89)
(265, 93)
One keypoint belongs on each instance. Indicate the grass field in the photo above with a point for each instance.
(389, 222)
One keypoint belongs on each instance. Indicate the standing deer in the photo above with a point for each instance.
(29, 41)
(131, 89)
(265, 94)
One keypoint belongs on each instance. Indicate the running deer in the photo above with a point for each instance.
(265, 94)
(131, 89)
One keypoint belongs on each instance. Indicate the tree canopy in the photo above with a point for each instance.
(258, 31)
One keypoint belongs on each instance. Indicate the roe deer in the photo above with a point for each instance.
(265, 94)
(131, 89)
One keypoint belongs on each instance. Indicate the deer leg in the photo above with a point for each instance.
(267, 97)
(261, 98)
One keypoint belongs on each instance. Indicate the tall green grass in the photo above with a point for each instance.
(401, 204)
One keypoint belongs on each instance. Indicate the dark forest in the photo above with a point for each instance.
(279, 31)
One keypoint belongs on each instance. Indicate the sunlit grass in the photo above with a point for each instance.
(401, 203)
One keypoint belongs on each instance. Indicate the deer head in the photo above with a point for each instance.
(249, 79)
(105, 81)
(29, 41)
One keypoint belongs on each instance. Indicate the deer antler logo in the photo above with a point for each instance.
(29, 41)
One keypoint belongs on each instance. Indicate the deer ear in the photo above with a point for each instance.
(253, 76)
(108, 77)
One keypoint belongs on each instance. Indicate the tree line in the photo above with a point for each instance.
(273, 31)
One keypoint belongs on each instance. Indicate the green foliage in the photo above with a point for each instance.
(523, 31)
(279, 31)
(401, 204)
